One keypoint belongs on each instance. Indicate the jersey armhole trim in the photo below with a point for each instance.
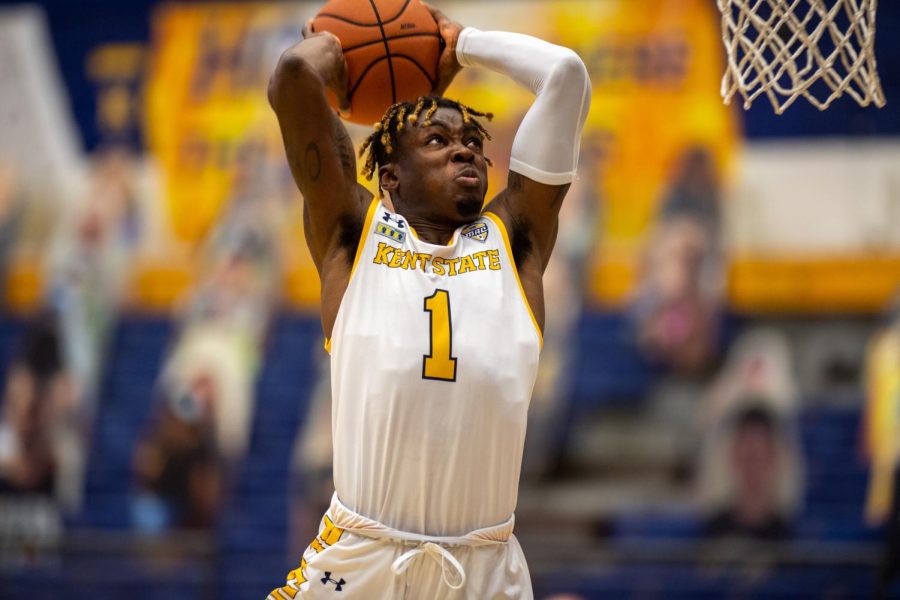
(367, 225)
(512, 261)
(370, 214)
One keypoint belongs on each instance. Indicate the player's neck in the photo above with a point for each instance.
(432, 233)
(426, 228)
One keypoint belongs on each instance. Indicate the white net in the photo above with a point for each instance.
(785, 49)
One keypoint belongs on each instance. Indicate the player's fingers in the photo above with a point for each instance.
(307, 29)
(438, 15)
(344, 105)
(448, 28)
(340, 89)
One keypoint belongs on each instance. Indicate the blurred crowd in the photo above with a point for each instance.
(204, 396)
(191, 450)
(748, 471)
(52, 381)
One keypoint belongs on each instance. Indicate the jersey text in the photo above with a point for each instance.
(397, 258)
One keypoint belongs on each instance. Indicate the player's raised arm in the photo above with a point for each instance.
(545, 150)
(319, 150)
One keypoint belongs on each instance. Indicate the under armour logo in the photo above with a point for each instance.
(339, 584)
(391, 219)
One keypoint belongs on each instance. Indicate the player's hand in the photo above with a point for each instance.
(448, 66)
(323, 51)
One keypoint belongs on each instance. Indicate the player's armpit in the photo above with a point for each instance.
(530, 211)
(319, 150)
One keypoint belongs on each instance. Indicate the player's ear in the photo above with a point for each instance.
(387, 176)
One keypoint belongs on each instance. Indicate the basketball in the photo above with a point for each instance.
(391, 47)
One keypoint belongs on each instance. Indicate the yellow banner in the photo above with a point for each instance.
(206, 101)
(209, 124)
(655, 68)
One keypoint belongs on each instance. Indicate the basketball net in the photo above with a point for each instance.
(785, 49)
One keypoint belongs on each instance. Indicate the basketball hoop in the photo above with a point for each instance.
(818, 49)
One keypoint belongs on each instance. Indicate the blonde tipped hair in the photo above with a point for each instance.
(380, 146)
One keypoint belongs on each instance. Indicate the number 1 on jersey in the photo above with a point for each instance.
(439, 363)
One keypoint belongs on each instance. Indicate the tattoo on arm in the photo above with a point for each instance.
(313, 161)
(345, 148)
(515, 182)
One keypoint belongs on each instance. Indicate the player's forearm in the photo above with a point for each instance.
(546, 145)
(528, 60)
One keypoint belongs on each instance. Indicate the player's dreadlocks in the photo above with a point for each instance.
(382, 142)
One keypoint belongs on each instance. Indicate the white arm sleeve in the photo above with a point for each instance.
(546, 145)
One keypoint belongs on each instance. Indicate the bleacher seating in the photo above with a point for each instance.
(713, 582)
(252, 536)
(10, 335)
(836, 477)
(608, 367)
(251, 542)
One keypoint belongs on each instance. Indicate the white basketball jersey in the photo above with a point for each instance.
(433, 359)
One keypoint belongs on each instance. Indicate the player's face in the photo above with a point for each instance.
(442, 173)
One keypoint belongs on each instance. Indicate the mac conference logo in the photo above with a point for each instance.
(476, 231)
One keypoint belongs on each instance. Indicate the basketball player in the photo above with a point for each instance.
(432, 307)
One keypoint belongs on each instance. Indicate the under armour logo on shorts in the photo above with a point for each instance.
(339, 584)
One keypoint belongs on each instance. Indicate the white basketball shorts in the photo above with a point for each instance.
(356, 558)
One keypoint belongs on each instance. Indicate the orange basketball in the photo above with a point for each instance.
(392, 49)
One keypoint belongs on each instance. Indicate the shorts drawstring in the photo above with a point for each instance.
(439, 554)
(434, 547)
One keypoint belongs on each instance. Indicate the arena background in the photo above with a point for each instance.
(802, 222)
